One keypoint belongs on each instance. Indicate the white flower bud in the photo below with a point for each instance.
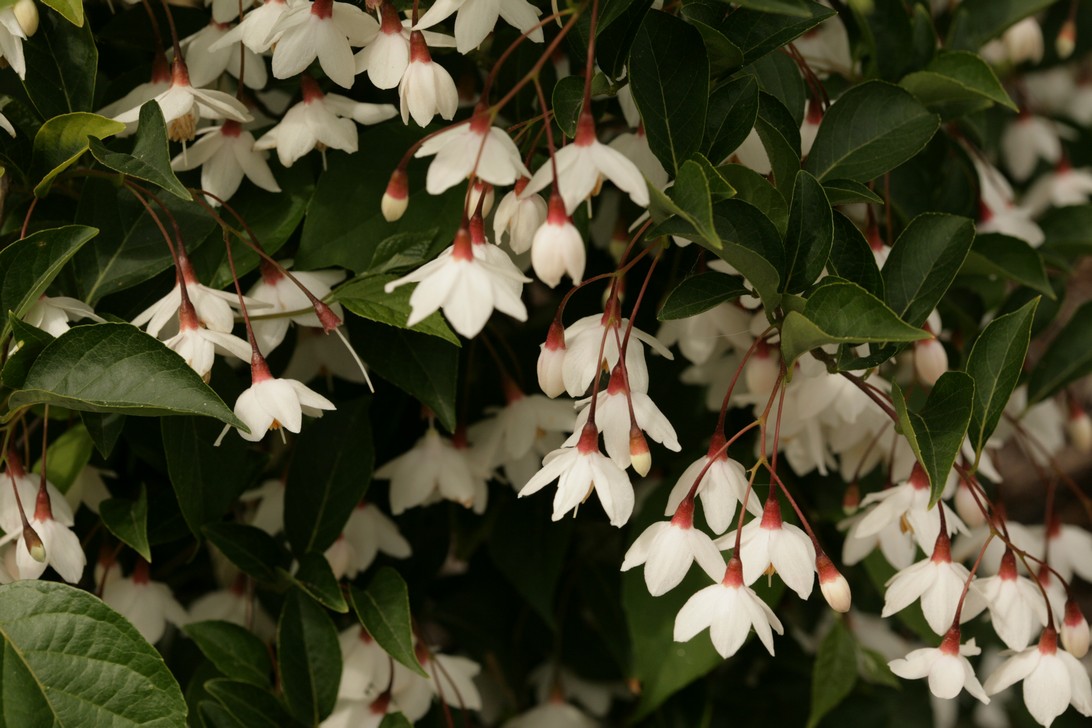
(930, 361)
(834, 586)
(1079, 427)
(967, 507)
(557, 248)
(551, 357)
(1075, 630)
(639, 456)
(1066, 41)
(26, 13)
(762, 371)
(395, 197)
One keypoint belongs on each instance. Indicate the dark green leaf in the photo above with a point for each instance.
(669, 73)
(923, 262)
(366, 298)
(757, 33)
(567, 100)
(402, 251)
(61, 63)
(618, 23)
(206, 479)
(976, 21)
(234, 650)
(752, 246)
(114, 367)
(709, 18)
(423, 366)
(778, 75)
(810, 234)
(309, 658)
(994, 255)
(851, 257)
(254, 551)
(395, 720)
(841, 312)
(847, 192)
(1068, 229)
(733, 110)
(128, 520)
(330, 473)
(871, 129)
(835, 672)
(67, 457)
(956, 83)
(28, 266)
(1067, 358)
(315, 577)
(936, 433)
(61, 141)
(383, 609)
(756, 190)
(780, 135)
(69, 660)
(248, 705)
(995, 363)
(887, 41)
(699, 293)
(151, 159)
(104, 429)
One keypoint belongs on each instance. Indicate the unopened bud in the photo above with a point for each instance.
(1079, 428)
(762, 371)
(551, 357)
(396, 197)
(967, 507)
(930, 361)
(1075, 630)
(639, 456)
(481, 192)
(26, 14)
(34, 544)
(851, 499)
(1066, 41)
(834, 586)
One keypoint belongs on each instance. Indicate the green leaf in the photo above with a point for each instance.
(936, 433)
(104, 429)
(61, 63)
(752, 246)
(995, 363)
(309, 658)
(870, 129)
(249, 705)
(116, 367)
(383, 609)
(669, 73)
(851, 257)
(618, 23)
(423, 366)
(31, 341)
(151, 159)
(128, 520)
(810, 234)
(567, 100)
(708, 17)
(1068, 229)
(699, 293)
(780, 135)
(67, 457)
(835, 672)
(778, 75)
(995, 255)
(70, 660)
(841, 312)
(1067, 358)
(366, 298)
(62, 140)
(976, 21)
(847, 192)
(233, 650)
(756, 190)
(28, 266)
(206, 479)
(957, 83)
(254, 551)
(329, 475)
(757, 33)
(797, 8)
(395, 720)
(923, 262)
(733, 110)
(887, 38)
(317, 579)
(403, 251)
(72, 10)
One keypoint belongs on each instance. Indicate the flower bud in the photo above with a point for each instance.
(557, 248)
(930, 361)
(1079, 428)
(34, 544)
(967, 507)
(834, 586)
(26, 14)
(1075, 630)
(1064, 44)
(551, 357)
(481, 192)
(639, 456)
(396, 197)
(762, 371)
(851, 499)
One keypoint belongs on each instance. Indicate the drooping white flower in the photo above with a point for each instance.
(1053, 679)
(699, 336)
(207, 65)
(552, 714)
(256, 31)
(284, 296)
(1075, 633)
(634, 147)
(582, 342)
(476, 146)
(213, 307)
(669, 548)
(1070, 549)
(1063, 187)
(386, 56)
(512, 431)
(12, 36)
(582, 165)
(723, 486)
(365, 667)
(367, 533)
(518, 218)
(148, 605)
(729, 610)
(1017, 608)
(224, 11)
(49, 541)
(198, 345)
(770, 543)
(434, 468)
(1027, 140)
(272, 403)
(557, 248)
(142, 93)
(475, 19)
(578, 471)
(426, 88)
(322, 29)
(234, 605)
(906, 508)
(1022, 41)
(947, 668)
(267, 501)
(938, 583)
(320, 121)
(226, 154)
(1013, 221)
(51, 314)
(551, 361)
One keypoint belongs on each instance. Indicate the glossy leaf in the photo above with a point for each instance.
(70, 660)
(995, 363)
(956, 83)
(315, 577)
(329, 475)
(851, 257)
(308, 658)
(61, 62)
(994, 255)
(756, 190)
(128, 521)
(248, 705)
(383, 610)
(810, 234)
(104, 429)
(618, 23)
(1067, 358)
(752, 246)
(669, 72)
(114, 367)
(366, 298)
(699, 293)
(923, 262)
(72, 10)
(847, 192)
(733, 110)
(233, 649)
(937, 431)
(1067, 229)
(870, 129)
(61, 141)
(780, 135)
(757, 33)
(835, 671)
(709, 19)
(28, 266)
(976, 21)
(150, 160)
(254, 551)
(567, 100)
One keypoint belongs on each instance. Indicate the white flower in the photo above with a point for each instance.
(729, 610)
(226, 10)
(365, 668)
(669, 548)
(12, 36)
(930, 361)
(1022, 41)
(272, 404)
(465, 286)
(1013, 221)
(699, 336)
(1053, 679)
(387, 55)
(14, 477)
(938, 583)
(722, 487)
(226, 154)
(434, 468)
(557, 248)
(1063, 187)
(518, 218)
(369, 531)
(476, 18)
(578, 471)
(322, 29)
(1075, 633)
(52, 542)
(199, 345)
(582, 342)
(552, 715)
(284, 296)
(582, 165)
(183, 106)
(1070, 549)
(476, 147)
(826, 48)
(512, 431)
(51, 314)
(634, 147)
(947, 668)
(207, 65)
(905, 507)
(257, 29)
(236, 606)
(148, 605)
(1017, 608)
(551, 361)
(1027, 140)
(452, 678)
(213, 307)
(320, 121)
(426, 88)
(769, 542)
